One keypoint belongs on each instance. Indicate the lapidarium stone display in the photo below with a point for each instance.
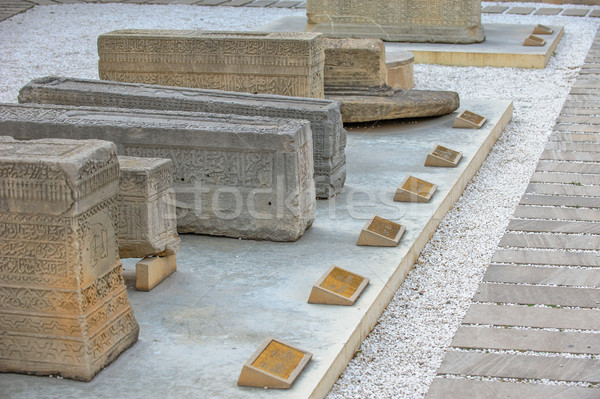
(63, 305)
(289, 64)
(329, 136)
(146, 202)
(235, 176)
(438, 21)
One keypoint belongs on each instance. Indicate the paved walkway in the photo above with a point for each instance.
(536, 315)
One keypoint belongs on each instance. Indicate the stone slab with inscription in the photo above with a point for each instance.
(146, 203)
(468, 120)
(380, 232)
(338, 287)
(289, 64)
(329, 136)
(371, 104)
(64, 309)
(434, 21)
(413, 189)
(442, 156)
(274, 364)
(235, 176)
(354, 63)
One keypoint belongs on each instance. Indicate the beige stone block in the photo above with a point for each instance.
(146, 202)
(380, 232)
(151, 271)
(468, 120)
(338, 287)
(457, 21)
(63, 304)
(413, 189)
(542, 30)
(354, 63)
(289, 64)
(533, 40)
(400, 70)
(274, 364)
(442, 156)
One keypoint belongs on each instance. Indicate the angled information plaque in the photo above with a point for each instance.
(533, 40)
(542, 30)
(413, 189)
(442, 156)
(274, 365)
(380, 232)
(468, 120)
(338, 287)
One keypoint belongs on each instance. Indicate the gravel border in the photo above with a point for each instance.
(401, 355)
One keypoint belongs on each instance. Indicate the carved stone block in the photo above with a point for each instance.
(354, 63)
(329, 136)
(63, 305)
(290, 64)
(438, 21)
(146, 202)
(235, 176)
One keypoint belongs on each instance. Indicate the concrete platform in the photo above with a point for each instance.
(503, 46)
(199, 326)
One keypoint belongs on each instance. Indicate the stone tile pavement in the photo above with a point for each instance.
(536, 314)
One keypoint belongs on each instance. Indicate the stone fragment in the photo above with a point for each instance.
(380, 232)
(443, 157)
(354, 63)
(329, 136)
(289, 64)
(235, 176)
(437, 21)
(152, 270)
(371, 104)
(274, 364)
(533, 40)
(338, 287)
(146, 202)
(64, 308)
(400, 70)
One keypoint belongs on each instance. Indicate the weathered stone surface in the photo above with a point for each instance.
(521, 366)
(563, 241)
(63, 305)
(371, 104)
(438, 21)
(538, 295)
(354, 63)
(543, 275)
(329, 136)
(235, 176)
(290, 64)
(146, 202)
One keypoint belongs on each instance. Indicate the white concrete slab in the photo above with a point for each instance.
(502, 47)
(199, 326)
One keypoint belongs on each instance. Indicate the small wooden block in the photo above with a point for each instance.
(542, 30)
(338, 287)
(442, 156)
(468, 120)
(534, 41)
(380, 232)
(414, 190)
(273, 365)
(151, 270)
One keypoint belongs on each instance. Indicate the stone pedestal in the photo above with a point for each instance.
(437, 21)
(289, 64)
(329, 136)
(63, 305)
(235, 176)
(400, 70)
(146, 202)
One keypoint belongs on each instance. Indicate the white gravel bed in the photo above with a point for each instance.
(400, 357)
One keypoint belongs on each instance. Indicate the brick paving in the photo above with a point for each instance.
(536, 314)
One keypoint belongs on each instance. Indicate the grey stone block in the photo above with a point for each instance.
(556, 241)
(538, 295)
(146, 202)
(236, 176)
(329, 136)
(543, 275)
